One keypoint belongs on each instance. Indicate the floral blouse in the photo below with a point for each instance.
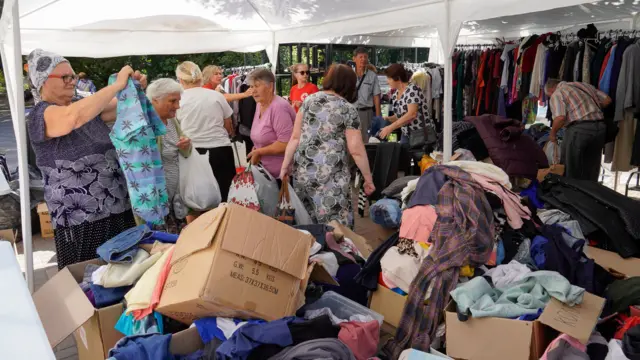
(82, 176)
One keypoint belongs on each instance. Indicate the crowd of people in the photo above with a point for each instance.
(312, 140)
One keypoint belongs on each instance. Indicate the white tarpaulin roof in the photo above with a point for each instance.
(132, 27)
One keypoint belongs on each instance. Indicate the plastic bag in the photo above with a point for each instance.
(239, 154)
(199, 188)
(301, 215)
(552, 150)
(243, 191)
(267, 189)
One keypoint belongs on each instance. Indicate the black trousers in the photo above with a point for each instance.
(223, 166)
(582, 149)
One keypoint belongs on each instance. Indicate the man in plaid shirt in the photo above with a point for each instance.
(578, 107)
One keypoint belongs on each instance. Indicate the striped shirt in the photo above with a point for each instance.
(577, 102)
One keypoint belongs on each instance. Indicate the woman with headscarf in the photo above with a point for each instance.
(85, 189)
(165, 96)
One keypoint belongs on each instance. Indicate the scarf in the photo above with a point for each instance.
(41, 63)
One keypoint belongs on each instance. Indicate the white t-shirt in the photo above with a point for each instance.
(201, 116)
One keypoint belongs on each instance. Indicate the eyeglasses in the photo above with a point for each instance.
(304, 72)
(67, 79)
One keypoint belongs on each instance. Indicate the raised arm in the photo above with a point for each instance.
(61, 120)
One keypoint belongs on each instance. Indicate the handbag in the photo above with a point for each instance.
(285, 212)
(419, 139)
(556, 167)
(243, 190)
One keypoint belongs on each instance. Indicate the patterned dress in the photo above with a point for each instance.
(321, 170)
(412, 95)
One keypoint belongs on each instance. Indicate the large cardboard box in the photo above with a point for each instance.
(236, 262)
(64, 309)
(497, 338)
(613, 262)
(46, 228)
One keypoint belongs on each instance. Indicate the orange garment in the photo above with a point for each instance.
(208, 86)
(157, 291)
(426, 162)
(418, 222)
(629, 322)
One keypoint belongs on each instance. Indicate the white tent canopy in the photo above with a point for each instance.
(120, 27)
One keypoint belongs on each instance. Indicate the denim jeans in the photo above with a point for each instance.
(108, 296)
(123, 247)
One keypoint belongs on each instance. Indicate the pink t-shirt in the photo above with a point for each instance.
(276, 124)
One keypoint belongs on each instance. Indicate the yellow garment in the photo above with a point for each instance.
(425, 246)
(467, 271)
(426, 163)
(139, 297)
(127, 274)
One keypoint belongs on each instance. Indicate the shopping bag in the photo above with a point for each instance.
(285, 212)
(239, 155)
(199, 188)
(302, 215)
(552, 150)
(267, 189)
(243, 191)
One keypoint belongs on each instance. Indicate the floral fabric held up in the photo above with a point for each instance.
(134, 136)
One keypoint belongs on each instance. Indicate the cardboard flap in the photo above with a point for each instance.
(578, 321)
(199, 234)
(361, 243)
(610, 260)
(321, 275)
(258, 237)
(63, 307)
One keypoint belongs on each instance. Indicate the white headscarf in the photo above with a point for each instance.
(41, 64)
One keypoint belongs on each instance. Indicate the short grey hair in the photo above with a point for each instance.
(551, 84)
(162, 87)
(262, 74)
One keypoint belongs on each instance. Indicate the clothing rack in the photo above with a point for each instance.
(245, 69)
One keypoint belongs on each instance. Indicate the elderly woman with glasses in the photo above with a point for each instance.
(300, 85)
(272, 122)
(85, 189)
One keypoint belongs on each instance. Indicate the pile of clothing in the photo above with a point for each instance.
(137, 264)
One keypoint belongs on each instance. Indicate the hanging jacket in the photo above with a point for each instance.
(518, 156)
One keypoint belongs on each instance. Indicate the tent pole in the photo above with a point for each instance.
(448, 116)
(21, 140)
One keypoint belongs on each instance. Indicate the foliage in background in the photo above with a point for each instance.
(158, 66)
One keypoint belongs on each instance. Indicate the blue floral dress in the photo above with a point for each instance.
(322, 164)
(85, 189)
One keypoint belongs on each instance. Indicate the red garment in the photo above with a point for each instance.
(629, 322)
(299, 94)
(489, 82)
(497, 66)
(604, 64)
(481, 84)
(157, 291)
(529, 56)
(208, 86)
(361, 338)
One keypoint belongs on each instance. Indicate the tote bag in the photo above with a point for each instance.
(267, 189)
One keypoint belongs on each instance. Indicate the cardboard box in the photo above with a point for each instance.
(185, 342)
(388, 304)
(497, 338)
(9, 235)
(612, 261)
(46, 228)
(64, 309)
(236, 262)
